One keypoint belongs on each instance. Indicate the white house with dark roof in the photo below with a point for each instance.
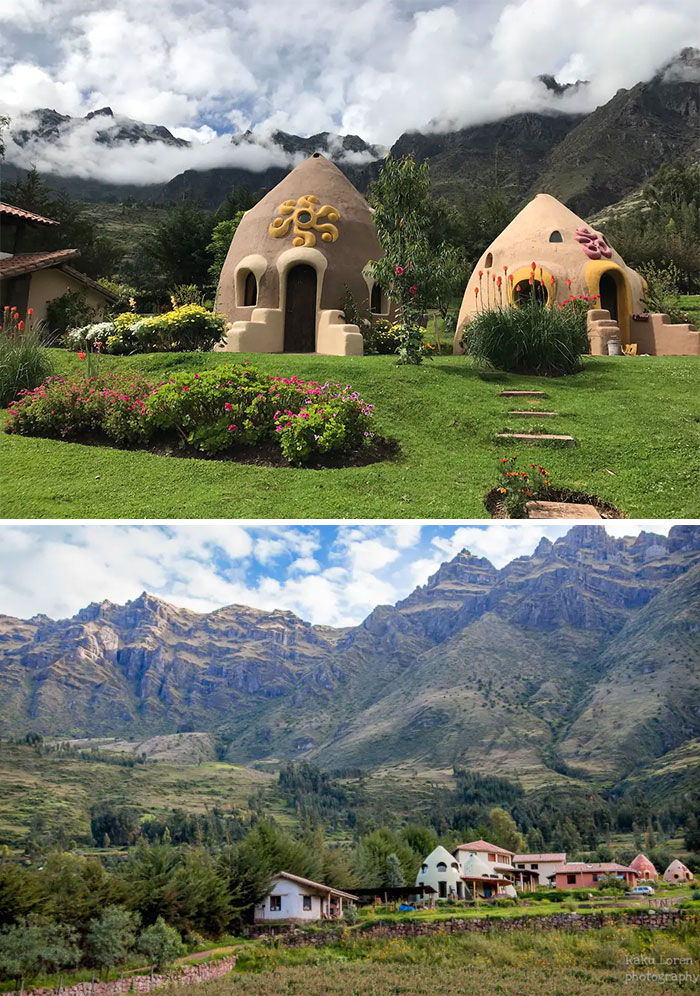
(296, 899)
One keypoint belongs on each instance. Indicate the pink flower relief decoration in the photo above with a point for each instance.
(593, 245)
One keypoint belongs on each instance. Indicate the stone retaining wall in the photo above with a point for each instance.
(576, 922)
(186, 975)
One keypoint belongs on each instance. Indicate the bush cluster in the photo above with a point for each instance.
(215, 410)
(382, 338)
(188, 328)
(24, 362)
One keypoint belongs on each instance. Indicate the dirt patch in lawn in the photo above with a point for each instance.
(379, 449)
(496, 508)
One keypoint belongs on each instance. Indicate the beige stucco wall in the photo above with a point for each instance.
(659, 337)
(48, 284)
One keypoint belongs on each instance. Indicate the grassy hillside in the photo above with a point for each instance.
(52, 790)
(445, 418)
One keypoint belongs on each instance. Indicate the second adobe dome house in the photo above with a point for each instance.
(291, 262)
(569, 259)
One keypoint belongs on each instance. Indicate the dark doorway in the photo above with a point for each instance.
(608, 295)
(376, 301)
(526, 291)
(250, 297)
(300, 310)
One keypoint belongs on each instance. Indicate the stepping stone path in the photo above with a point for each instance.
(540, 437)
(560, 510)
(523, 394)
(532, 413)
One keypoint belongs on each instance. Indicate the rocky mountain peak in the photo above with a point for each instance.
(104, 112)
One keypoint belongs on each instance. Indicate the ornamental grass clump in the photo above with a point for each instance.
(211, 411)
(24, 361)
(527, 339)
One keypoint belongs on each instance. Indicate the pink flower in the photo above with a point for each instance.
(413, 290)
(228, 406)
(399, 271)
(232, 428)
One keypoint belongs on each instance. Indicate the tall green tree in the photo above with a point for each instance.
(112, 937)
(178, 245)
(161, 944)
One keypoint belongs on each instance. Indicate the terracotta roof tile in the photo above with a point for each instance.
(15, 212)
(27, 262)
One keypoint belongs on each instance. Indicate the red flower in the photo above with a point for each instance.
(21, 326)
(499, 281)
(413, 290)
(511, 278)
(399, 271)
(568, 280)
(30, 311)
(81, 356)
(533, 266)
(530, 281)
(481, 273)
(476, 291)
(505, 269)
(551, 280)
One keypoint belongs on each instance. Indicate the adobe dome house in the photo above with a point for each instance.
(569, 259)
(677, 872)
(292, 260)
(646, 872)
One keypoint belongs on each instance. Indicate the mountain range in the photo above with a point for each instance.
(583, 657)
(589, 161)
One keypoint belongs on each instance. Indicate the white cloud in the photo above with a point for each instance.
(377, 69)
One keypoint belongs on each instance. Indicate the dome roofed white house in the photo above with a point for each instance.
(442, 871)
(677, 872)
(569, 259)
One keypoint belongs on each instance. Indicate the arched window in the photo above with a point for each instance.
(250, 290)
(525, 291)
(376, 299)
(441, 867)
(488, 262)
(424, 868)
(556, 237)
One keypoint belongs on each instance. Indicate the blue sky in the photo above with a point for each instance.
(330, 574)
(210, 68)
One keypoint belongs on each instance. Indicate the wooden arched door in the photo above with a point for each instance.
(300, 310)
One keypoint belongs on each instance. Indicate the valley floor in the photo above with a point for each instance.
(635, 420)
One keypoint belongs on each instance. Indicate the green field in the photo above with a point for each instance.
(555, 963)
(637, 421)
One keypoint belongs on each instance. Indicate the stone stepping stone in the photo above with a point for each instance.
(532, 413)
(560, 510)
(522, 394)
(531, 437)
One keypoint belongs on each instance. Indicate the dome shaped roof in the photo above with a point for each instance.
(677, 872)
(475, 867)
(440, 854)
(642, 865)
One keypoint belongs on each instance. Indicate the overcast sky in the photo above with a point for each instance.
(327, 574)
(207, 68)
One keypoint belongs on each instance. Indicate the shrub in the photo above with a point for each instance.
(70, 310)
(190, 328)
(662, 290)
(24, 361)
(382, 338)
(528, 339)
(212, 411)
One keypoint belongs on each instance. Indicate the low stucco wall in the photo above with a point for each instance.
(659, 337)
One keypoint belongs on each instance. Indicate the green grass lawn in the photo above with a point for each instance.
(637, 421)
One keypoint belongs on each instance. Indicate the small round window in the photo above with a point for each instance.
(304, 217)
(556, 237)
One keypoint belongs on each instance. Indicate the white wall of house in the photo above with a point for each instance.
(286, 902)
(443, 872)
(543, 868)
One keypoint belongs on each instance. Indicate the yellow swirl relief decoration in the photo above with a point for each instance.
(305, 217)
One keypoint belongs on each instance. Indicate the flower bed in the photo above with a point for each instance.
(230, 408)
(185, 329)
